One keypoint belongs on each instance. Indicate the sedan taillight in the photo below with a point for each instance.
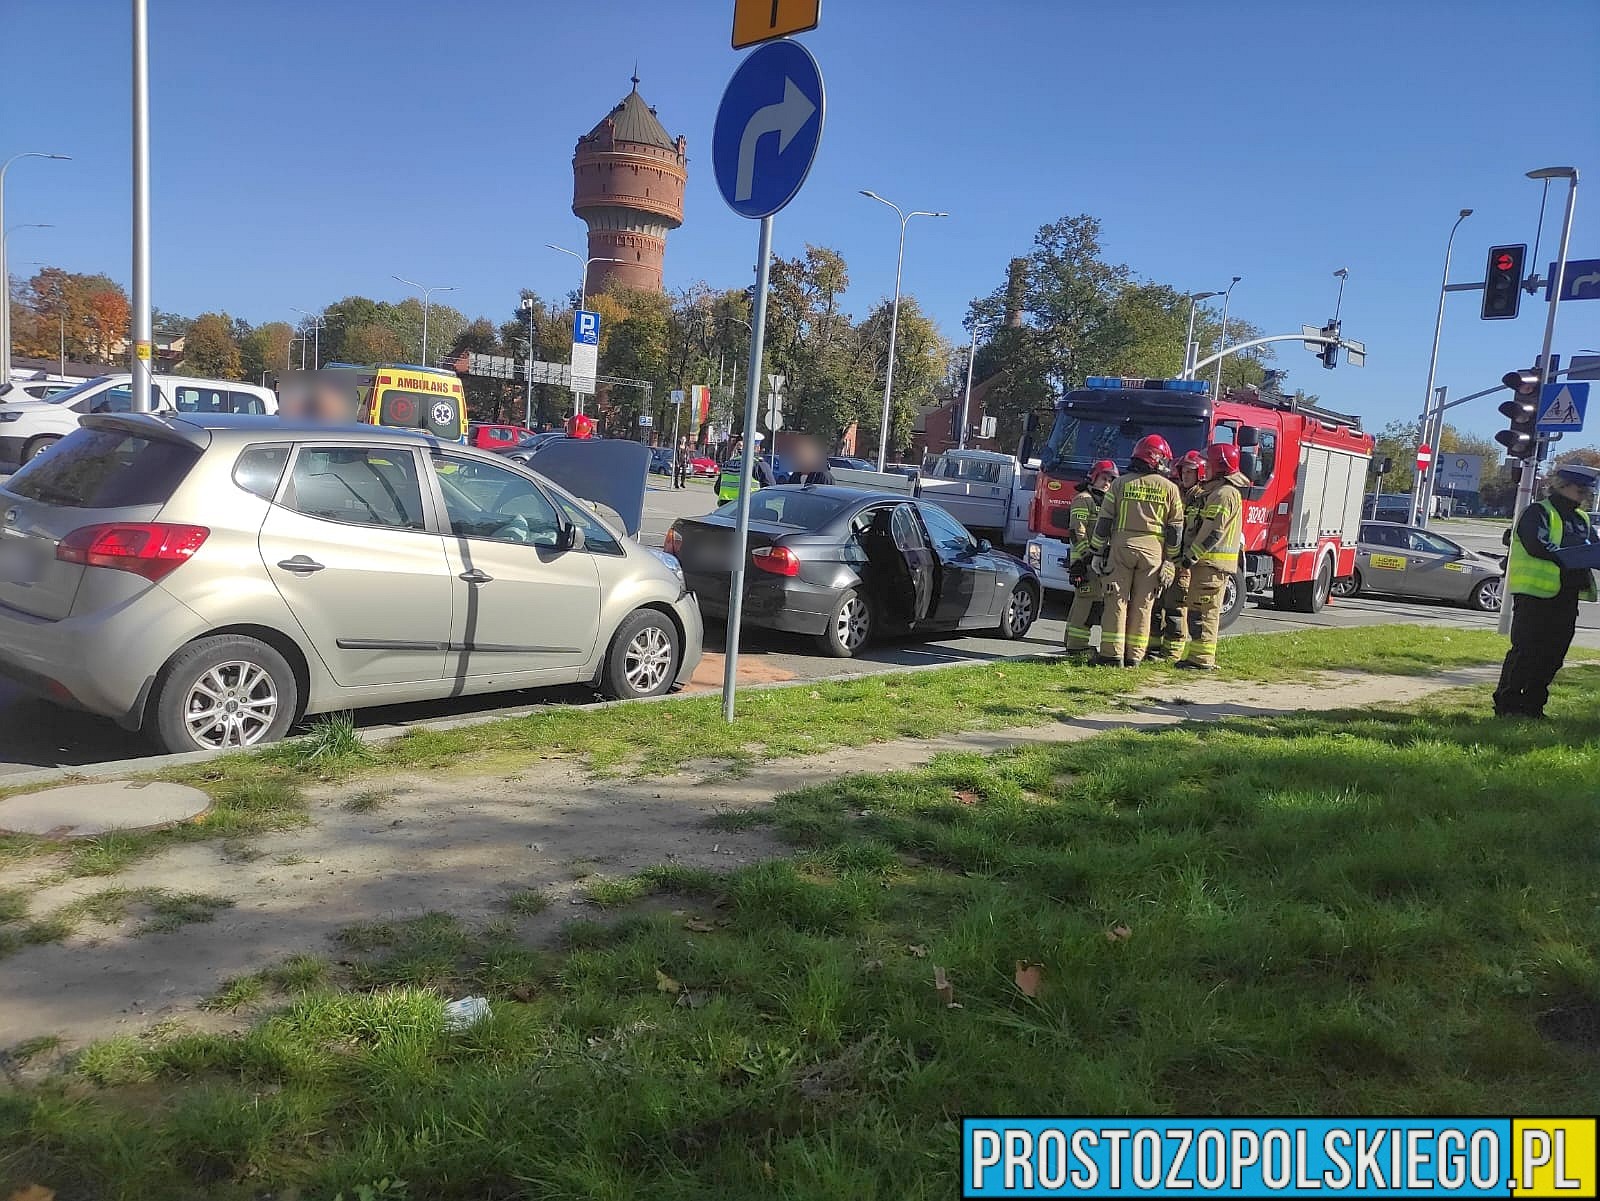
(673, 542)
(778, 560)
(150, 549)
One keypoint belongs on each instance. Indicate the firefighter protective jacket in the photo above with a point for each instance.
(1142, 505)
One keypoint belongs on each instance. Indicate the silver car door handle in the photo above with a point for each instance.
(300, 565)
(476, 577)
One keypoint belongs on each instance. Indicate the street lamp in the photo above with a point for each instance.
(583, 284)
(1222, 342)
(1438, 329)
(966, 398)
(527, 416)
(894, 319)
(1188, 338)
(427, 294)
(5, 272)
(317, 322)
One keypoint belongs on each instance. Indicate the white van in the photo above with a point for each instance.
(28, 427)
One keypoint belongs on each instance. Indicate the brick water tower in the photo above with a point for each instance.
(627, 186)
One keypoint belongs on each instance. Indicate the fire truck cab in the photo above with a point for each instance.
(1307, 466)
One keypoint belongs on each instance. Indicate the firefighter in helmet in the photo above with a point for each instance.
(1169, 634)
(1086, 598)
(1544, 594)
(1137, 539)
(1212, 554)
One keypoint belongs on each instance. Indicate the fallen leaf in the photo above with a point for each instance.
(1118, 933)
(967, 796)
(33, 1192)
(1029, 978)
(942, 985)
(699, 925)
(522, 992)
(873, 965)
(680, 913)
(665, 983)
(693, 1000)
(918, 952)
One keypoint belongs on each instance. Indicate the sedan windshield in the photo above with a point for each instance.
(72, 394)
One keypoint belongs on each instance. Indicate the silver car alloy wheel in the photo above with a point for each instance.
(1021, 615)
(648, 659)
(231, 704)
(1493, 593)
(851, 625)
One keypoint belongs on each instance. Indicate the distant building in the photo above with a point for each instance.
(934, 429)
(628, 177)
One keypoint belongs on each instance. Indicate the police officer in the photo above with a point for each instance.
(1212, 554)
(1169, 634)
(1136, 542)
(1544, 594)
(760, 472)
(1086, 597)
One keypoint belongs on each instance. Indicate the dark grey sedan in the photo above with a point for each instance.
(1404, 560)
(845, 565)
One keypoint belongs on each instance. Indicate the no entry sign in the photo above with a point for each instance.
(1424, 456)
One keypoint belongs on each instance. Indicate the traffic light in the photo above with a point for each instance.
(1329, 354)
(1502, 282)
(1520, 438)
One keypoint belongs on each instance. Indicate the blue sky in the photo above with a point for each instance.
(306, 151)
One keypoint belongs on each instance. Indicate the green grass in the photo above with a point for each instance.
(1389, 910)
(261, 791)
(527, 902)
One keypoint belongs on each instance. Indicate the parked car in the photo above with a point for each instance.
(703, 465)
(37, 388)
(844, 565)
(30, 427)
(661, 460)
(851, 463)
(1403, 560)
(210, 579)
(488, 436)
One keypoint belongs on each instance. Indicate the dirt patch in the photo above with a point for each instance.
(466, 845)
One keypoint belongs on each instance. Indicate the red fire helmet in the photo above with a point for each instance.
(1103, 467)
(1222, 458)
(1193, 461)
(1152, 450)
(580, 425)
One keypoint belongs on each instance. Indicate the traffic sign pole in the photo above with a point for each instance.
(1547, 368)
(752, 394)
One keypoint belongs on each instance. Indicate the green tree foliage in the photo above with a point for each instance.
(265, 350)
(209, 349)
(1587, 456)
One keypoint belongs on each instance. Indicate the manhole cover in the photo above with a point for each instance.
(81, 810)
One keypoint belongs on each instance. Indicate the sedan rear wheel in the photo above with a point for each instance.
(849, 626)
(1489, 594)
(1348, 586)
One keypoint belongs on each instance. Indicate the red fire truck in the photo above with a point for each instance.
(1307, 466)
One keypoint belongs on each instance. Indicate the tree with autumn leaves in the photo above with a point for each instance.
(85, 317)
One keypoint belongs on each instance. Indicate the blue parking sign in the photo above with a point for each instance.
(586, 327)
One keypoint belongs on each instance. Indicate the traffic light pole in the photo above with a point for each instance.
(1428, 435)
(1194, 371)
(1530, 465)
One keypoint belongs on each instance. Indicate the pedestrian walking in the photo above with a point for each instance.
(1088, 602)
(1212, 555)
(1137, 537)
(1544, 594)
(1169, 634)
(680, 464)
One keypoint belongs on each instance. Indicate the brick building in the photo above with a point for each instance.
(628, 177)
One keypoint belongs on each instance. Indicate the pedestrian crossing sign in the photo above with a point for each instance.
(1561, 407)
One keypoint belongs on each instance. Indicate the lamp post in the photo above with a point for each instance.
(1222, 342)
(583, 283)
(527, 413)
(317, 322)
(1438, 329)
(966, 397)
(1188, 338)
(427, 295)
(894, 318)
(5, 271)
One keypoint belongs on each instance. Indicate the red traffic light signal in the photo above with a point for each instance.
(1502, 282)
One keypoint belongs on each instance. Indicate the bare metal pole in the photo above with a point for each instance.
(966, 399)
(1438, 328)
(1222, 343)
(1530, 465)
(752, 394)
(141, 207)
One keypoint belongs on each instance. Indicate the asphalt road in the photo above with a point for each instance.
(35, 734)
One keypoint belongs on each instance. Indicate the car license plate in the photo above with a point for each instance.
(19, 562)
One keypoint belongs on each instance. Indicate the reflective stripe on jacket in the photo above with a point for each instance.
(1147, 505)
(1080, 523)
(1528, 575)
(1219, 537)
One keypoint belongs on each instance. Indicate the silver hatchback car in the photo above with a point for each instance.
(211, 579)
